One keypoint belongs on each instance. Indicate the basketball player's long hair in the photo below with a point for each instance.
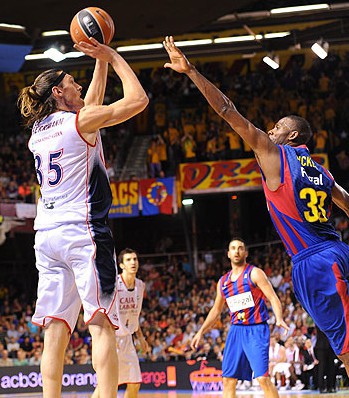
(32, 102)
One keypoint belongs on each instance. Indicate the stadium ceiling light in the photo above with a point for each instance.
(232, 39)
(276, 35)
(272, 60)
(55, 33)
(299, 9)
(320, 48)
(187, 202)
(54, 54)
(199, 42)
(140, 47)
(12, 27)
(236, 39)
(46, 54)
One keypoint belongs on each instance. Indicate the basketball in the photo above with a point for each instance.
(92, 22)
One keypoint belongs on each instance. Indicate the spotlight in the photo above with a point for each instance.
(272, 60)
(187, 202)
(320, 48)
(54, 54)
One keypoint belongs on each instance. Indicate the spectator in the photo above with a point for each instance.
(36, 358)
(21, 358)
(5, 360)
(309, 373)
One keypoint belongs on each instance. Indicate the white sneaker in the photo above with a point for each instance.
(245, 385)
(239, 384)
(299, 386)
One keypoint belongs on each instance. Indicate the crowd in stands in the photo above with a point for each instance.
(184, 129)
(175, 306)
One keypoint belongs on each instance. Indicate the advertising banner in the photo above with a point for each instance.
(158, 196)
(125, 199)
(180, 375)
(226, 175)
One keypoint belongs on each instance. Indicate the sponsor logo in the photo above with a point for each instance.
(206, 379)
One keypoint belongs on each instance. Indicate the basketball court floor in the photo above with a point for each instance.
(191, 394)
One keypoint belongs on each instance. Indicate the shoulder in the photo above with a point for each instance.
(257, 274)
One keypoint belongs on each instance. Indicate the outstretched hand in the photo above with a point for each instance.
(179, 62)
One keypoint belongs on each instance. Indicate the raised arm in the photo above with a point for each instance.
(210, 320)
(94, 117)
(96, 89)
(266, 152)
(260, 279)
(225, 108)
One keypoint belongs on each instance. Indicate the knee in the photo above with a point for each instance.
(229, 383)
(133, 388)
(57, 333)
(345, 359)
(264, 381)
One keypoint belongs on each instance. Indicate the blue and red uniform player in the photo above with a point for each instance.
(240, 360)
(300, 209)
(244, 289)
(299, 194)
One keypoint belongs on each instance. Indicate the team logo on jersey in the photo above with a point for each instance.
(157, 193)
(49, 205)
(241, 316)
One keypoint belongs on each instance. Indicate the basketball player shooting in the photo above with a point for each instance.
(73, 243)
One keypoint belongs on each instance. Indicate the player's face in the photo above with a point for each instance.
(281, 131)
(71, 94)
(237, 252)
(130, 263)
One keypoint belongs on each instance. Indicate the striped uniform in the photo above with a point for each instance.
(74, 246)
(129, 308)
(300, 210)
(249, 331)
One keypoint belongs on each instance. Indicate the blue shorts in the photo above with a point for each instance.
(246, 350)
(320, 280)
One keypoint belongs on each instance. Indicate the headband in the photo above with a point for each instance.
(48, 91)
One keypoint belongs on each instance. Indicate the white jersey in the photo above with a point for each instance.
(129, 306)
(71, 173)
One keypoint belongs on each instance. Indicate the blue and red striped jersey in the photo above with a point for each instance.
(245, 300)
(300, 208)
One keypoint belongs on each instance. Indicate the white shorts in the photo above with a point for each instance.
(75, 267)
(129, 369)
(282, 367)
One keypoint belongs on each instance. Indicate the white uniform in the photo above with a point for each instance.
(74, 247)
(129, 308)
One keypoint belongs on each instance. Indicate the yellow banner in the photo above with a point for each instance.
(125, 199)
(226, 175)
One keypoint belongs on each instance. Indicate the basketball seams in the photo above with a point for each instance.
(80, 16)
(92, 22)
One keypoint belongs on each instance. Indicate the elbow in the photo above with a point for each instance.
(225, 110)
(145, 101)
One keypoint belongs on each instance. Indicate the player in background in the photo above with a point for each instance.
(244, 289)
(299, 194)
(129, 300)
(74, 247)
